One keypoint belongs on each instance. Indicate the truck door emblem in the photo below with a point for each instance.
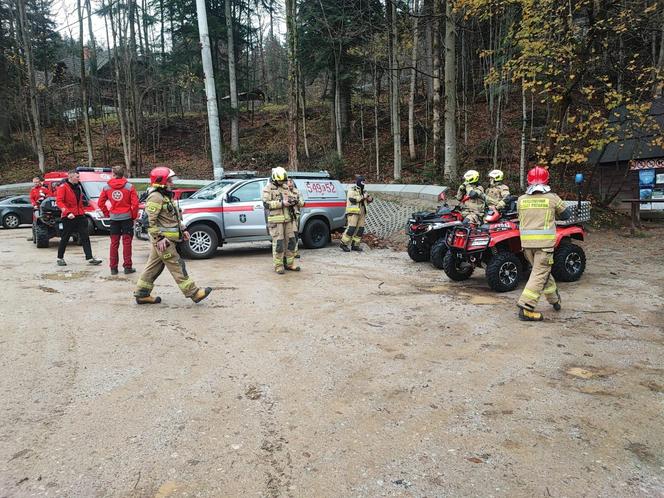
(243, 218)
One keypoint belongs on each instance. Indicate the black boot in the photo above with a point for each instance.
(344, 247)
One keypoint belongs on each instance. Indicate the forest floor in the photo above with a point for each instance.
(363, 375)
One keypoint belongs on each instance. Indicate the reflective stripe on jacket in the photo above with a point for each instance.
(537, 219)
(273, 200)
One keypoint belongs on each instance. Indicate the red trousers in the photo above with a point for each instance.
(121, 229)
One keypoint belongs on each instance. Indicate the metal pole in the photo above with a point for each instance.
(210, 91)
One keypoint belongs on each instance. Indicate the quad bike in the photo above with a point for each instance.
(496, 246)
(427, 232)
(47, 223)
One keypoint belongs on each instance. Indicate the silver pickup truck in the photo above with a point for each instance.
(221, 213)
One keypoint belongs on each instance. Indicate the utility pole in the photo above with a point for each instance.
(210, 91)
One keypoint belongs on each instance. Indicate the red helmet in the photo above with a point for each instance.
(538, 176)
(159, 176)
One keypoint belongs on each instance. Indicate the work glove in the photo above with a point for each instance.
(462, 188)
(474, 194)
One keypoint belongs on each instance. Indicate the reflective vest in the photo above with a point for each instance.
(537, 219)
(273, 197)
(355, 203)
(164, 220)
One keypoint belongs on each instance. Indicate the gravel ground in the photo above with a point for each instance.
(363, 375)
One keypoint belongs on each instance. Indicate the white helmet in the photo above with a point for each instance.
(496, 175)
(471, 176)
(279, 174)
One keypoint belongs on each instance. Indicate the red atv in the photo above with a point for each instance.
(496, 246)
(427, 232)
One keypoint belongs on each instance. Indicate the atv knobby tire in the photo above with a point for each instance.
(453, 271)
(504, 272)
(41, 236)
(416, 253)
(438, 252)
(569, 263)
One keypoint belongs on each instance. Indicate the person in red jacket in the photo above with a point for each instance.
(69, 198)
(38, 192)
(123, 200)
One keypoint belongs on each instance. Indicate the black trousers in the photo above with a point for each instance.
(77, 225)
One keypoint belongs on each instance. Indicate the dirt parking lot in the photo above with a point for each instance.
(364, 375)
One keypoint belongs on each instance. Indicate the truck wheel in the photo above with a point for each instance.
(203, 242)
(456, 268)
(41, 235)
(569, 263)
(417, 253)
(504, 272)
(438, 252)
(11, 220)
(316, 234)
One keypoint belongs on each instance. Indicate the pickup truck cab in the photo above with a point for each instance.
(221, 214)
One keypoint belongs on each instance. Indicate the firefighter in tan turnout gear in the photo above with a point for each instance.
(471, 195)
(280, 202)
(166, 231)
(497, 191)
(538, 209)
(357, 201)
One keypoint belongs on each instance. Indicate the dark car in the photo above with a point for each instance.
(15, 211)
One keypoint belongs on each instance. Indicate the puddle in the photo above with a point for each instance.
(66, 275)
(589, 372)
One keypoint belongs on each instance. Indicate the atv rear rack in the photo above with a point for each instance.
(578, 215)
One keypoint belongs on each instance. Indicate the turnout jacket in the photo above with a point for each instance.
(355, 201)
(273, 199)
(496, 194)
(164, 219)
(476, 205)
(537, 219)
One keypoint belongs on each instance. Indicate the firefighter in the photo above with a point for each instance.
(279, 204)
(356, 213)
(538, 209)
(124, 210)
(70, 198)
(294, 192)
(497, 191)
(471, 195)
(166, 230)
(38, 193)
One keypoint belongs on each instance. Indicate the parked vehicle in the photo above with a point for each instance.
(496, 246)
(15, 211)
(47, 223)
(427, 232)
(222, 214)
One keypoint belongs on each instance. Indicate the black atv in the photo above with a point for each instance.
(427, 232)
(47, 223)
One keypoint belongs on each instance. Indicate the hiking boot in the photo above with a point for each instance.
(127, 271)
(279, 270)
(148, 300)
(344, 247)
(530, 316)
(114, 271)
(356, 248)
(297, 256)
(293, 268)
(94, 261)
(557, 306)
(61, 262)
(201, 294)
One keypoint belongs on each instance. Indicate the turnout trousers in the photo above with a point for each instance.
(283, 243)
(540, 281)
(354, 229)
(171, 260)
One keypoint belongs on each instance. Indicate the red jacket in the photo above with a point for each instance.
(123, 200)
(38, 194)
(66, 200)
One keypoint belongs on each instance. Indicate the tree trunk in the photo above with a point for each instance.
(436, 87)
(450, 94)
(524, 126)
(84, 88)
(396, 114)
(413, 81)
(94, 84)
(291, 29)
(376, 96)
(303, 109)
(32, 86)
(235, 127)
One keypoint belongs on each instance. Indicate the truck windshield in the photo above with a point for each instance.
(213, 190)
(93, 189)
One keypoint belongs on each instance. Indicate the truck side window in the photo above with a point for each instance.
(250, 192)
